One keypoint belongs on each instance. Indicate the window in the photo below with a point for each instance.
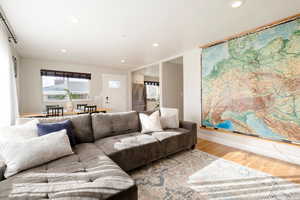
(56, 84)
(152, 90)
(114, 84)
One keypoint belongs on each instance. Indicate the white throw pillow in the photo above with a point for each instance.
(150, 123)
(19, 132)
(169, 118)
(21, 155)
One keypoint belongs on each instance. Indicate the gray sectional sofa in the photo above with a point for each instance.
(109, 146)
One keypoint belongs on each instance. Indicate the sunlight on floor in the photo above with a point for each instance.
(278, 168)
(223, 179)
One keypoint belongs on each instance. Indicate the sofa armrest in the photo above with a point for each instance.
(192, 127)
(2, 170)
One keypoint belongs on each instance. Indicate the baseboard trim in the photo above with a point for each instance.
(281, 151)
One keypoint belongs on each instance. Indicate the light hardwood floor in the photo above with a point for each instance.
(271, 166)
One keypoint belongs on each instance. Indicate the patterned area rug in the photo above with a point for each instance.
(201, 176)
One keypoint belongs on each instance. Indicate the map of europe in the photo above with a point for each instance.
(252, 84)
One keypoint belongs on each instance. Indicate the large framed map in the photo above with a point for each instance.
(251, 84)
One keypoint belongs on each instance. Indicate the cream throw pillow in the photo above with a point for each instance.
(21, 155)
(150, 123)
(19, 132)
(169, 118)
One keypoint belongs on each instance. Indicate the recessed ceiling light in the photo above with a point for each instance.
(74, 20)
(63, 50)
(236, 3)
(123, 61)
(155, 44)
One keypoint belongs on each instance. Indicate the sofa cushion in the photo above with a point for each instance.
(87, 174)
(82, 126)
(131, 150)
(111, 124)
(174, 140)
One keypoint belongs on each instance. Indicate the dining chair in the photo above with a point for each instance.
(81, 106)
(90, 109)
(55, 111)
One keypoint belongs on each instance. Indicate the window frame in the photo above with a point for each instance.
(67, 79)
(155, 84)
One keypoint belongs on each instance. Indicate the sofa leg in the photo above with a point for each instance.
(193, 147)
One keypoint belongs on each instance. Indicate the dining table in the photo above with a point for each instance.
(66, 113)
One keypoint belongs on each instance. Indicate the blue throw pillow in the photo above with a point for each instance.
(47, 128)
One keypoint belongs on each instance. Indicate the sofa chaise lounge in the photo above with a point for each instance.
(109, 145)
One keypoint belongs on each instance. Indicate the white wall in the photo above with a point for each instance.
(192, 85)
(31, 85)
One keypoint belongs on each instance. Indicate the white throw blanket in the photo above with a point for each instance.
(134, 141)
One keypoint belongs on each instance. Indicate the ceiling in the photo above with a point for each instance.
(108, 31)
